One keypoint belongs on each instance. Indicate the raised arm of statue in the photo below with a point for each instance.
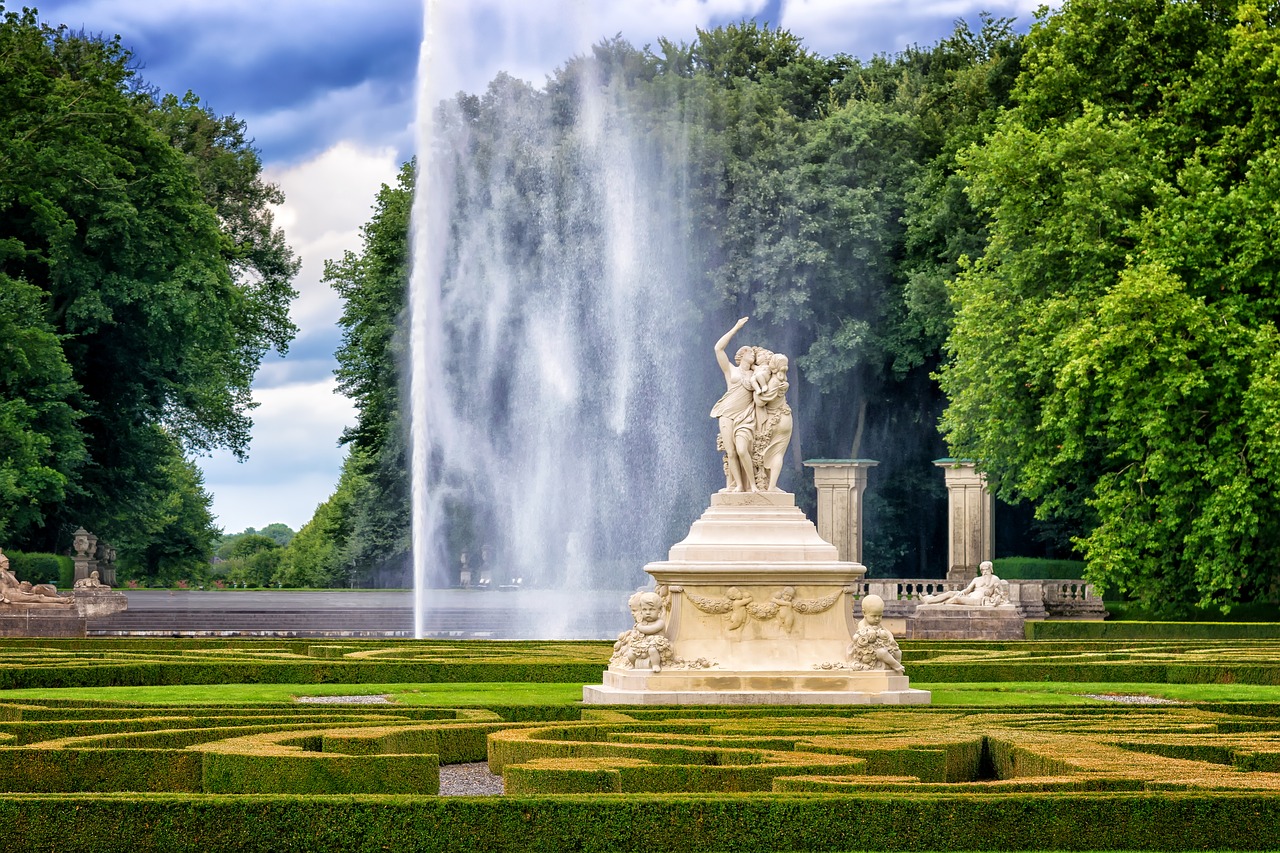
(725, 365)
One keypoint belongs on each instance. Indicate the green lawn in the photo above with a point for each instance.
(524, 693)
(1066, 693)
(450, 694)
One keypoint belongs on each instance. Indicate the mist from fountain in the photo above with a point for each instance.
(553, 336)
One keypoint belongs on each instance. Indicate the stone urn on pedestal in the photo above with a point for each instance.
(753, 606)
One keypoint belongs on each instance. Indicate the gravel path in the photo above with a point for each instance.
(469, 780)
(343, 700)
(1131, 699)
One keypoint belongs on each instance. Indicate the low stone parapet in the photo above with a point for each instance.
(1072, 600)
(1033, 599)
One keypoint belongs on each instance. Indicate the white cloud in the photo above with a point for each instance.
(327, 199)
(293, 460)
(864, 28)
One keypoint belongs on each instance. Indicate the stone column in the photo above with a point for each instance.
(841, 483)
(970, 518)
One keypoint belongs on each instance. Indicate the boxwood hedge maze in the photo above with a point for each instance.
(100, 776)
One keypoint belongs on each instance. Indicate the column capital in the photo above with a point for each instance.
(840, 472)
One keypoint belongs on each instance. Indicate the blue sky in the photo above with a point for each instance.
(327, 89)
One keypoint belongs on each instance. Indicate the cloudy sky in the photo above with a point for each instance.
(328, 88)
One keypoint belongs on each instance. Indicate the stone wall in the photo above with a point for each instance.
(1035, 599)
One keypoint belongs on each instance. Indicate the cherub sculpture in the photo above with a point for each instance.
(873, 647)
(645, 641)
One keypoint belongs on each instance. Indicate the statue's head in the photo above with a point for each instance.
(788, 593)
(650, 606)
(778, 363)
(985, 567)
(733, 593)
(746, 356)
(873, 609)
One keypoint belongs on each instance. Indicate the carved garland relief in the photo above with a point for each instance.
(783, 606)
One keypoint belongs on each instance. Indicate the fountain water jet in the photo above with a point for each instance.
(552, 425)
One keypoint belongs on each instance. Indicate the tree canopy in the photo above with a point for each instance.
(141, 282)
(1115, 352)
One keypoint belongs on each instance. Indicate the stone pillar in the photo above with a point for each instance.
(970, 518)
(841, 483)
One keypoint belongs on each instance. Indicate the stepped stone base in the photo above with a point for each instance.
(959, 622)
(757, 609)
(715, 687)
(40, 622)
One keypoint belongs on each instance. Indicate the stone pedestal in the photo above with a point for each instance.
(83, 566)
(759, 611)
(840, 484)
(961, 622)
(98, 604)
(970, 519)
(16, 621)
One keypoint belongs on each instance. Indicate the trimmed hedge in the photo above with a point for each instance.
(42, 568)
(272, 672)
(52, 770)
(747, 823)
(1032, 568)
(319, 773)
(1070, 630)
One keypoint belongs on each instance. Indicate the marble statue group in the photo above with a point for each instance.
(755, 420)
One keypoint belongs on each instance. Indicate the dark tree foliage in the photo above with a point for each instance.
(138, 233)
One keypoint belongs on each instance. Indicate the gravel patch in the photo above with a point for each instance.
(344, 700)
(469, 780)
(1131, 699)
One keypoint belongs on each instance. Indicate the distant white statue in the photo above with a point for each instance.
(986, 590)
(754, 418)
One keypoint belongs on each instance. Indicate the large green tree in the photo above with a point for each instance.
(1115, 350)
(140, 230)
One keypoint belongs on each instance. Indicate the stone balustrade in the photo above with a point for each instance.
(1035, 599)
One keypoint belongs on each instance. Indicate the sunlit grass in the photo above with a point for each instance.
(523, 693)
(1070, 692)
(445, 694)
